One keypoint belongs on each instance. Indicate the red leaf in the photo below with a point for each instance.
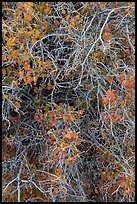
(105, 100)
(53, 123)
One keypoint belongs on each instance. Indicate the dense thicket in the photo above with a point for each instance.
(68, 101)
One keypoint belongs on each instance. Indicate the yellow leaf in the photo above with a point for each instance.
(63, 22)
(6, 192)
(96, 191)
(37, 34)
(77, 17)
(67, 17)
(73, 24)
(35, 78)
(18, 105)
(6, 96)
(63, 11)
(63, 180)
(3, 71)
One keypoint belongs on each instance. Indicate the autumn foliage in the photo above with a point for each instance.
(68, 101)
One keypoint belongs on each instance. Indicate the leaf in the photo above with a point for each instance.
(35, 78)
(96, 191)
(4, 71)
(67, 17)
(56, 192)
(58, 172)
(103, 177)
(5, 192)
(107, 29)
(55, 150)
(130, 84)
(59, 188)
(104, 119)
(110, 177)
(63, 11)
(64, 145)
(105, 100)
(130, 3)
(56, 23)
(122, 185)
(74, 135)
(102, 4)
(110, 80)
(37, 33)
(26, 67)
(111, 94)
(21, 73)
(28, 80)
(6, 96)
(68, 135)
(47, 10)
(121, 78)
(18, 105)
(72, 24)
(70, 160)
(80, 112)
(77, 17)
(53, 123)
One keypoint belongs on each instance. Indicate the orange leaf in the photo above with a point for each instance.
(111, 95)
(121, 78)
(122, 185)
(68, 135)
(130, 84)
(80, 112)
(47, 10)
(70, 160)
(58, 172)
(74, 135)
(26, 67)
(107, 28)
(56, 23)
(63, 153)
(21, 73)
(130, 3)
(55, 150)
(110, 80)
(60, 188)
(102, 4)
(16, 83)
(56, 192)
(28, 80)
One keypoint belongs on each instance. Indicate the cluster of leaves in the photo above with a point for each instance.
(68, 99)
